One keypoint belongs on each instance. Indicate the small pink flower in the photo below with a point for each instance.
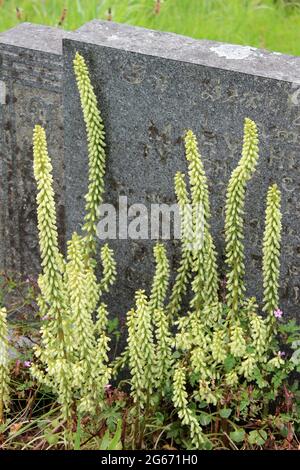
(27, 363)
(107, 387)
(278, 313)
(281, 353)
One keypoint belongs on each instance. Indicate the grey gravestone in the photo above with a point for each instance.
(151, 87)
(30, 93)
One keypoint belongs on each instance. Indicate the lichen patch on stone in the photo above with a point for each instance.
(232, 52)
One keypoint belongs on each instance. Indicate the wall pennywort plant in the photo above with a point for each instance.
(207, 364)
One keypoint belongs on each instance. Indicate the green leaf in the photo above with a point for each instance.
(176, 355)
(208, 445)
(52, 439)
(202, 404)
(238, 435)
(296, 356)
(115, 443)
(204, 419)
(105, 441)
(159, 417)
(229, 363)
(244, 404)
(258, 437)
(225, 412)
(259, 378)
(112, 325)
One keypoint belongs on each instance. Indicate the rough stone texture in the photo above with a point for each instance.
(153, 86)
(30, 93)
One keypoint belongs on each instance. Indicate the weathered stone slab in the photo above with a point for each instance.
(30, 93)
(153, 86)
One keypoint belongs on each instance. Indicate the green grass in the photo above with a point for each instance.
(271, 24)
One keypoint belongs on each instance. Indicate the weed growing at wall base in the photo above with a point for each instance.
(206, 367)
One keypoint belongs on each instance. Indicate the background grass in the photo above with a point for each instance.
(271, 24)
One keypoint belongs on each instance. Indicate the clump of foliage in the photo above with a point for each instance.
(72, 358)
(4, 364)
(205, 369)
(235, 202)
(224, 355)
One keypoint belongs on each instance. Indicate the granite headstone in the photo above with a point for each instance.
(151, 87)
(30, 93)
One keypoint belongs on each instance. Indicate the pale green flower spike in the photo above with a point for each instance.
(180, 400)
(276, 362)
(247, 366)
(205, 393)
(198, 180)
(4, 365)
(205, 283)
(144, 332)
(163, 353)
(57, 333)
(109, 273)
(184, 271)
(48, 238)
(141, 351)
(232, 378)
(95, 373)
(78, 300)
(259, 333)
(198, 361)
(72, 358)
(90, 370)
(135, 361)
(237, 340)
(218, 346)
(161, 278)
(96, 149)
(234, 223)
(271, 253)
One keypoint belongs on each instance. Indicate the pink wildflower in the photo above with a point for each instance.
(278, 313)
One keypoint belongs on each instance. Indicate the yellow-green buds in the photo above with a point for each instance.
(144, 334)
(161, 278)
(218, 347)
(4, 365)
(205, 283)
(109, 268)
(237, 340)
(271, 252)
(198, 180)
(46, 215)
(96, 149)
(163, 352)
(187, 233)
(180, 400)
(141, 350)
(259, 333)
(247, 366)
(234, 232)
